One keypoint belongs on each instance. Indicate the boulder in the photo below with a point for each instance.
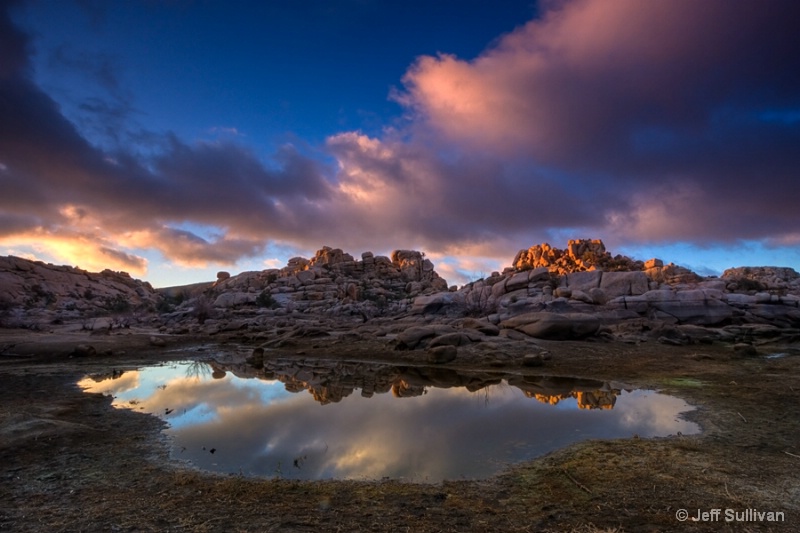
(598, 296)
(306, 275)
(483, 326)
(616, 284)
(157, 341)
(653, 263)
(439, 302)
(232, 299)
(692, 307)
(538, 274)
(442, 354)
(413, 336)
(452, 339)
(562, 292)
(84, 350)
(745, 350)
(499, 289)
(584, 281)
(517, 281)
(555, 326)
(328, 256)
(533, 360)
(581, 296)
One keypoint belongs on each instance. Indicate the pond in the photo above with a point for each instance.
(301, 419)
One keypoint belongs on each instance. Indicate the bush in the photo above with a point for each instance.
(203, 308)
(165, 306)
(117, 304)
(265, 299)
(747, 284)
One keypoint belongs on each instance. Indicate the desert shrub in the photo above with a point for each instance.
(265, 299)
(5, 311)
(165, 305)
(178, 298)
(39, 297)
(169, 301)
(747, 284)
(203, 308)
(116, 304)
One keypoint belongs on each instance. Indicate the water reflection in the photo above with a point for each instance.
(300, 419)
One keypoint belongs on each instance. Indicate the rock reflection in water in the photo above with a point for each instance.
(436, 424)
(331, 381)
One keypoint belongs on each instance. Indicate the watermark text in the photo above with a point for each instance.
(729, 515)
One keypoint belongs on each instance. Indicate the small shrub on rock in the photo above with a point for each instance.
(265, 299)
(202, 309)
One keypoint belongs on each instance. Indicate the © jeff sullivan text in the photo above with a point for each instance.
(730, 515)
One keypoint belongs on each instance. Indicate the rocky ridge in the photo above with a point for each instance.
(400, 301)
(33, 290)
(552, 293)
(334, 283)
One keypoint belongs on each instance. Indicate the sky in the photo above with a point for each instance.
(175, 138)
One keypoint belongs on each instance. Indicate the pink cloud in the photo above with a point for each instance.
(632, 120)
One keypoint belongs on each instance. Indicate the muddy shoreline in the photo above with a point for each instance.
(70, 462)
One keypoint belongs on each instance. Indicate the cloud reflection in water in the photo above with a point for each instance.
(257, 427)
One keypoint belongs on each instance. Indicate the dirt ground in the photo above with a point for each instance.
(71, 462)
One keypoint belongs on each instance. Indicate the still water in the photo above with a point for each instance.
(321, 419)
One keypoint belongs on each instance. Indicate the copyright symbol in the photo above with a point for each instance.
(681, 515)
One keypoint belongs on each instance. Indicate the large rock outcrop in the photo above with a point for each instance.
(579, 255)
(562, 289)
(334, 282)
(30, 289)
(776, 279)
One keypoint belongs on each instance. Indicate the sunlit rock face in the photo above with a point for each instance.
(35, 288)
(579, 255)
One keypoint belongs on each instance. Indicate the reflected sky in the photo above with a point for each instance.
(256, 427)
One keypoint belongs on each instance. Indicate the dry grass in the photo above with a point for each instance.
(107, 470)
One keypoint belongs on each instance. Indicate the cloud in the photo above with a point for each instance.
(90, 252)
(57, 186)
(633, 121)
(630, 97)
(405, 189)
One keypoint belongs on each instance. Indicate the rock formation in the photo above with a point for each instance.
(579, 292)
(334, 282)
(579, 255)
(31, 291)
(775, 279)
(582, 291)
